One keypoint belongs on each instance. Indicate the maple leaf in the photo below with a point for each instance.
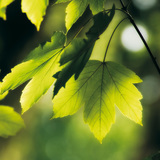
(39, 66)
(100, 87)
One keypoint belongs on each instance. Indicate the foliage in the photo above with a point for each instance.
(10, 121)
(78, 81)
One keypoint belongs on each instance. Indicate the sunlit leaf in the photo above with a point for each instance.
(39, 84)
(10, 121)
(100, 87)
(40, 65)
(35, 10)
(3, 6)
(76, 8)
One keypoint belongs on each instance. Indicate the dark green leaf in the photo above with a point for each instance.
(78, 52)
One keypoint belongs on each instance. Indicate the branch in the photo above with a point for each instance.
(125, 10)
(146, 45)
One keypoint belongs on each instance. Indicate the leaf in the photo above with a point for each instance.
(78, 52)
(35, 10)
(39, 84)
(100, 87)
(96, 6)
(40, 65)
(62, 1)
(76, 8)
(3, 6)
(10, 121)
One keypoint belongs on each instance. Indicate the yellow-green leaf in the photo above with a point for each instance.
(35, 10)
(74, 10)
(99, 88)
(3, 6)
(40, 65)
(10, 121)
(39, 84)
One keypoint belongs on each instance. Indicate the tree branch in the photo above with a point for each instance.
(145, 43)
(125, 10)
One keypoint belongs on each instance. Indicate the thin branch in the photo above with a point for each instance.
(112, 37)
(125, 10)
(146, 45)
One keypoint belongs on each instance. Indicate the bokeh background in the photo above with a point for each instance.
(69, 138)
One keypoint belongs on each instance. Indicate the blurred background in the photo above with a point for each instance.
(69, 138)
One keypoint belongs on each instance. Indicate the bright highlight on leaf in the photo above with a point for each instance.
(10, 121)
(35, 10)
(100, 87)
(3, 6)
(76, 8)
(39, 66)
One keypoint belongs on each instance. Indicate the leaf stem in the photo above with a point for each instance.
(112, 37)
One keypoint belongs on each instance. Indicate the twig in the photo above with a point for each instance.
(125, 10)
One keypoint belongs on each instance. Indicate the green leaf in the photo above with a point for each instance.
(78, 52)
(100, 87)
(76, 8)
(35, 10)
(96, 6)
(10, 121)
(3, 6)
(39, 84)
(40, 65)
(62, 1)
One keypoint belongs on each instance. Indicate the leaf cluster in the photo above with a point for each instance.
(78, 81)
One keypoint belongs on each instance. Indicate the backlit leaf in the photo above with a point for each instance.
(39, 65)
(100, 87)
(76, 8)
(3, 6)
(10, 121)
(35, 10)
